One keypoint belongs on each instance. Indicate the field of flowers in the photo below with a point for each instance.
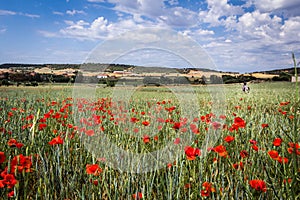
(45, 132)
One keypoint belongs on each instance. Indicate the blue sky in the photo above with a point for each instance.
(238, 35)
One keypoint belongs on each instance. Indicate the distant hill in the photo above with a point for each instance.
(290, 71)
(96, 67)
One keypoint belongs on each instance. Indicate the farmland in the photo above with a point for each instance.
(228, 144)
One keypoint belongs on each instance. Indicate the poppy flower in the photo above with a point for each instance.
(244, 154)
(277, 142)
(253, 141)
(90, 132)
(273, 154)
(191, 153)
(265, 125)
(2, 157)
(137, 195)
(42, 126)
(145, 123)
(207, 189)
(177, 141)
(239, 122)
(228, 138)
(21, 163)
(221, 150)
(254, 147)
(239, 165)
(11, 194)
(56, 140)
(258, 185)
(216, 125)
(93, 169)
(146, 139)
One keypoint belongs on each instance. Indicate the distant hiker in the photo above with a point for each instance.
(246, 88)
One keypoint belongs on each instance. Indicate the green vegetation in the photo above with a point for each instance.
(255, 156)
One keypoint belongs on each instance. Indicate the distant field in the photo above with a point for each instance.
(222, 143)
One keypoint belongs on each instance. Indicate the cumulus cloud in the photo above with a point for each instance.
(74, 12)
(218, 10)
(174, 16)
(290, 6)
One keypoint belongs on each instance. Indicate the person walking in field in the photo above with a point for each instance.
(245, 87)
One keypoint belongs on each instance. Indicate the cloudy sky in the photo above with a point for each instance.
(238, 35)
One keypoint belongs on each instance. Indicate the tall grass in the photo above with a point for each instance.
(59, 171)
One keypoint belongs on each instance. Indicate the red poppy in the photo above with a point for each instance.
(277, 142)
(2, 157)
(21, 163)
(42, 126)
(273, 154)
(254, 147)
(56, 140)
(90, 132)
(93, 169)
(11, 194)
(191, 153)
(207, 189)
(9, 180)
(284, 103)
(177, 141)
(228, 138)
(282, 160)
(253, 141)
(146, 139)
(177, 125)
(265, 125)
(145, 123)
(244, 154)
(137, 195)
(258, 185)
(221, 150)
(239, 122)
(238, 165)
(216, 125)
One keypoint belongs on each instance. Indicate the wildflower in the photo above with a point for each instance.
(191, 152)
(238, 165)
(254, 147)
(146, 139)
(145, 123)
(221, 150)
(137, 195)
(2, 157)
(244, 154)
(56, 140)
(207, 189)
(177, 141)
(93, 169)
(90, 132)
(258, 185)
(277, 142)
(265, 125)
(229, 138)
(273, 154)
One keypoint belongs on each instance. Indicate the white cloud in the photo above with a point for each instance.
(30, 15)
(96, 1)
(218, 9)
(271, 5)
(74, 12)
(290, 31)
(57, 13)
(7, 12)
(3, 30)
